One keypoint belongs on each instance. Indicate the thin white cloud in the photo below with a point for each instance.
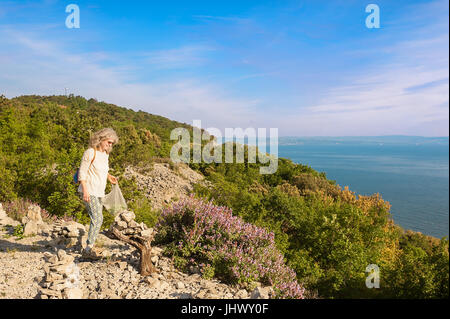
(221, 18)
(186, 56)
(407, 94)
(36, 66)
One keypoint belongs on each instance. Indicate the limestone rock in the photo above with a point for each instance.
(2, 212)
(121, 225)
(147, 233)
(164, 286)
(73, 293)
(242, 294)
(67, 234)
(262, 293)
(180, 285)
(127, 216)
(5, 219)
(152, 282)
(31, 228)
(33, 223)
(74, 229)
(34, 213)
(62, 277)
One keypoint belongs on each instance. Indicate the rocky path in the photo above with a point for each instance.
(36, 266)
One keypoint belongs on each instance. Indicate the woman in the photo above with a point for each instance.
(93, 175)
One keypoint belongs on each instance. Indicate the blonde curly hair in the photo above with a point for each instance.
(100, 136)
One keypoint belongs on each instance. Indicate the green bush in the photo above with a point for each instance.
(328, 235)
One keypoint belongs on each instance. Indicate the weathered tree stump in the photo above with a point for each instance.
(144, 247)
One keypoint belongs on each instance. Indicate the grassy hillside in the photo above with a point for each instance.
(327, 234)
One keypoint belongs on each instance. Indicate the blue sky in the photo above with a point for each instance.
(308, 68)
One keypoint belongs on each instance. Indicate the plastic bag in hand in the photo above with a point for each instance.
(114, 201)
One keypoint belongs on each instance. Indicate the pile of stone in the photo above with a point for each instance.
(5, 219)
(62, 277)
(67, 233)
(125, 223)
(33, 223)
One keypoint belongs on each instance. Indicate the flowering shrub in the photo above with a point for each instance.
(17, 209)
(201, 234)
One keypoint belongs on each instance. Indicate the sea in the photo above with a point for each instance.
(410, 172)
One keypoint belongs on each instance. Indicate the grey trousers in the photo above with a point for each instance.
(95, 210)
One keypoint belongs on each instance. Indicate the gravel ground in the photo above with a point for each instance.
(117, 276)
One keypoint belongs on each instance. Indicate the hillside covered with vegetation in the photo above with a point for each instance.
(328, 235)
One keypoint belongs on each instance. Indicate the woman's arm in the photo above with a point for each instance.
(86, 196)
(86, 160)
(82, 174)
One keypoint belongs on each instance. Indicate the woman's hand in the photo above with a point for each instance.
(112, 179)
(86, 197)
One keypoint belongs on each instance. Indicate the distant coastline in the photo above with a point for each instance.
(363, 140)
(385, 139)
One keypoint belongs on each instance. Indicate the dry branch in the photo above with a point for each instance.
(144, 247)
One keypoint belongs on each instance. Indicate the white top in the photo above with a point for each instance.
(96, 174)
